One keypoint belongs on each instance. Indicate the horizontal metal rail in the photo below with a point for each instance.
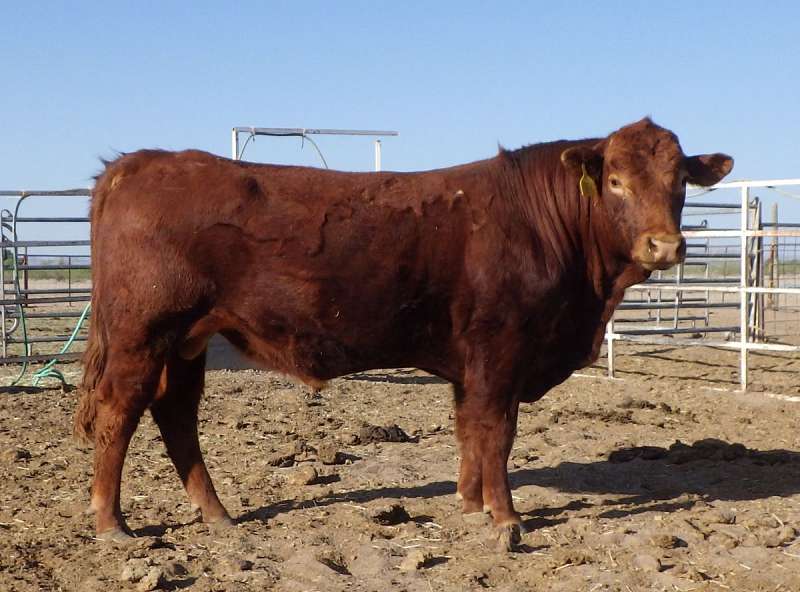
(780, 224)
(47, 193)
(35, 301)
(711, 256)
(65, 290)
(300, 131)
(663, 305)
(704, 342)
(673, 330)
(46, 315)
(720, 206)
(37, 358)
(730, 233)
(45, 243)
(659, 283)
(681, 318)
(49, 339)
(51, 267)
(57, 220)
(710, 288)
(743, 184)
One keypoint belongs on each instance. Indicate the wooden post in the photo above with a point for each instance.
(773, 257)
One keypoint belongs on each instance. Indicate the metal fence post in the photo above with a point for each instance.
(610, 348)
(743, 285)
(235, 144)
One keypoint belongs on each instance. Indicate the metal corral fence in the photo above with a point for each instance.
(44, 283)
(739, 287)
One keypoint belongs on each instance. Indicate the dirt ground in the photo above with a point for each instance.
(659, 481)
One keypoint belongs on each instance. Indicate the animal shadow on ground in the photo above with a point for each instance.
(649, 478)
(398, 377)
(704, 368)
(21, 390)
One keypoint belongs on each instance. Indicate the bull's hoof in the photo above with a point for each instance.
(117, 535)
(507, 537)
(220, 525)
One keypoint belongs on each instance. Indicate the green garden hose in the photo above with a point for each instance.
(49, 370)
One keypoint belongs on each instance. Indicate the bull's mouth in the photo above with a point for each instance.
(658, 265)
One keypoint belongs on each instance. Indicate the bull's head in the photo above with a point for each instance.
(639, 175)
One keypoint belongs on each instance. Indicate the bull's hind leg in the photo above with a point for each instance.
(175, 412)
(470, 483)
(126, 389)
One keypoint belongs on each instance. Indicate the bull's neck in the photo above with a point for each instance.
(570, 231)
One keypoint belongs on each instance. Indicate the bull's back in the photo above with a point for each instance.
(351, 266)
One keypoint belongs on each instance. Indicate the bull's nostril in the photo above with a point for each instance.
(661, 250)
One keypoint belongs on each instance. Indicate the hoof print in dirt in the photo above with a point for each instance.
(305, 475)
(392, 433)
(134, 570)
(281, 460)
(415, 560)
(779, 537)
(722, 516)
(667, 541)
(17, 455)
(390, 515)
(568, 556)
(232, 566)
(629, 402)
(146, 576)
(285, 455)
(153, 580)
(328, 454)
(336, 562)
(647, 563)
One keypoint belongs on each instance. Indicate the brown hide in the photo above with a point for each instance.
(497, 275)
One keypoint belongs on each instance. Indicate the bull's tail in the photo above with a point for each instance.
(94, 361)
(94, 358)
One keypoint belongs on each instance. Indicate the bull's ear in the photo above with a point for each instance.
(587, 161)
(708, 169)
(578, 157)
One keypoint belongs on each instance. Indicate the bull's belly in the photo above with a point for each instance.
(317, 357)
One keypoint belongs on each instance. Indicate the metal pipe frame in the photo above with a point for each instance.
(302, 132)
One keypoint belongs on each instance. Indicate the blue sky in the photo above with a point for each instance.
(82, 79)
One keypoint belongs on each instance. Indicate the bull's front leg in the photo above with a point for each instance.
(486, 420)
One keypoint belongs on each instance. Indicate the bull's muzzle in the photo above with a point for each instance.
(660, 251)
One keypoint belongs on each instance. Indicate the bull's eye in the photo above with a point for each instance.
(614, 181)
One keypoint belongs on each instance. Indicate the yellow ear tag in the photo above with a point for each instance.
(586, 184)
